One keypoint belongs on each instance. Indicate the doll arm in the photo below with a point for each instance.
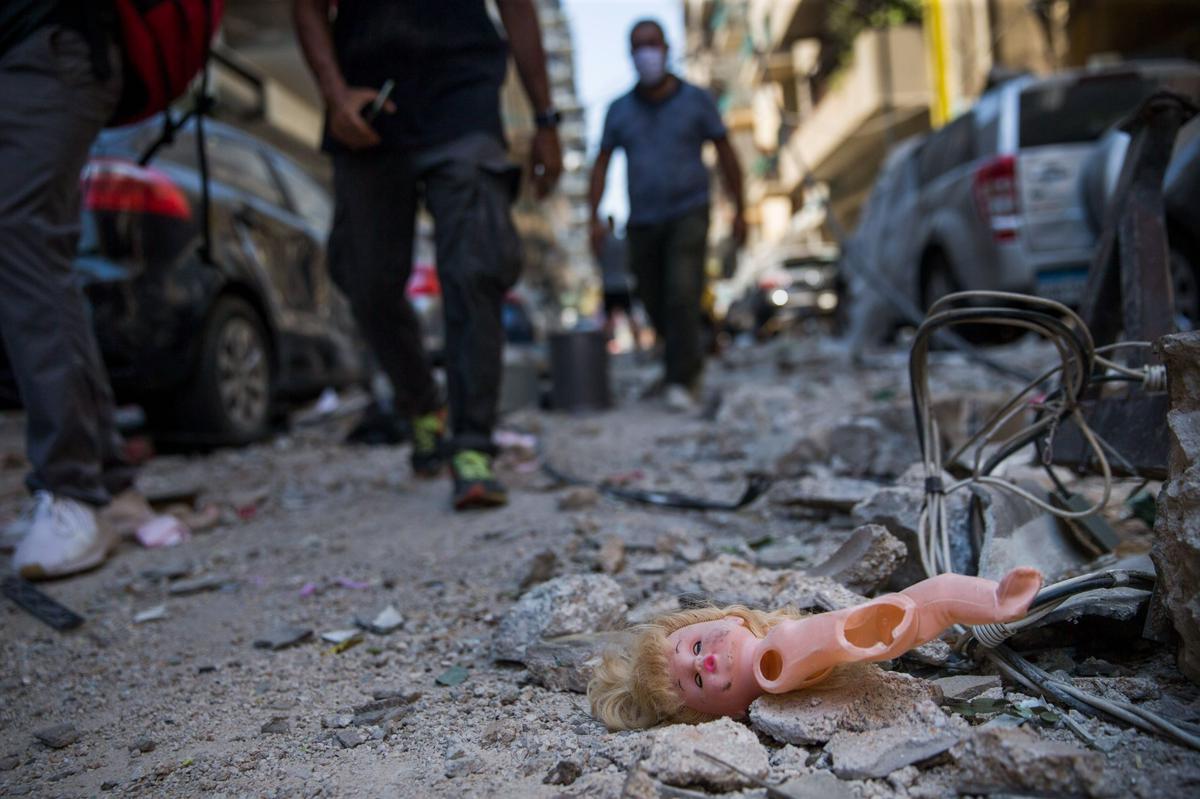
(950, 599)
(798, 653)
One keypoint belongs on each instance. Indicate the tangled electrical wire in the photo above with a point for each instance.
(1076, 372)
(988, 642)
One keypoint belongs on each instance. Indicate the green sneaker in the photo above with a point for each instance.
(428, 448)
(475, 485)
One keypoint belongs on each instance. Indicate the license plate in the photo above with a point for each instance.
(1064, 285)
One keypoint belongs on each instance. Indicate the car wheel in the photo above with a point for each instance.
(937, 279)
(229, 398)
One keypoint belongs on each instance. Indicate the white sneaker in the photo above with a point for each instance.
(679, 399)
(65, 537)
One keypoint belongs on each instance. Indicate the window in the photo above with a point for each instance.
(1061, 113)
(309, 200)
(242, 167)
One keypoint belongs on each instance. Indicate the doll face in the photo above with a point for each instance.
(712, 666)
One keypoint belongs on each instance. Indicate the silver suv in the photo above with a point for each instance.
(991, 201)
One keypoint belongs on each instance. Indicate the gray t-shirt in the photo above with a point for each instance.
(662, 143)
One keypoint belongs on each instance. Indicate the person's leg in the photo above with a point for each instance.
(647, 263)
(54, 105)
(686, 246)
(370, 259)
(469, 186)
(52, 111)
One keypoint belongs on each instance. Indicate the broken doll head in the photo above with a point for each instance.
(698, 664)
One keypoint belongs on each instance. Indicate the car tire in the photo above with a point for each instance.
(937, 279)
(229, 399)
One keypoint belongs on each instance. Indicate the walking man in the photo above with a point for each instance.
(60, 80)
(661, 124)
(438, 138)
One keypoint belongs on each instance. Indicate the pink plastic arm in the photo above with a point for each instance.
(799, 653)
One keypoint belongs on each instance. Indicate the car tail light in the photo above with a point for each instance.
(110, 184)
(996, 196)
(423, 282)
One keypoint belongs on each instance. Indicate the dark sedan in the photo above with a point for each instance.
(212, 347)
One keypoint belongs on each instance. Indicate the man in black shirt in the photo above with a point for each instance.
(439, 137)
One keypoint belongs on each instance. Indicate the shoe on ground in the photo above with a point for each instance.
(15, 531)
(429, 448)
(679, 399)
(475, 485)
(65, 537)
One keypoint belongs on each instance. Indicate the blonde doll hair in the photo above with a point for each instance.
(631, 689)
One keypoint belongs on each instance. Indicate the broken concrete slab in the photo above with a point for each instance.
(966, 686)
(566, 663)
(882, 444)
(672, 757)
(729, 580)
(876, 753)
(1015, 532)
(868, 558)
(1019, 761)
(283, 637)
(57, 736)
(568, 605)
(857, 699)
(818, 785)
(838, 494)
(1176, 551)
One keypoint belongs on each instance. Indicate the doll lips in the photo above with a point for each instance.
(710, 663)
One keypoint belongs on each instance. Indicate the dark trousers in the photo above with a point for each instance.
(668, 260)
(468, 186)
(52, 110)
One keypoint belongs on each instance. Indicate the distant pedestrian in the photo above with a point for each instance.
(661, 124)
(617, 284)
(438, 138)
(60, 81)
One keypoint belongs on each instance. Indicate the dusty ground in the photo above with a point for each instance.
(315, 533)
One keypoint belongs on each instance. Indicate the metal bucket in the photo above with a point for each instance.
(579, 371)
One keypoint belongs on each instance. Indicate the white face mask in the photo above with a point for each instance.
(651, 65)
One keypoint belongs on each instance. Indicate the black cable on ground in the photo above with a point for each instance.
(756, 486)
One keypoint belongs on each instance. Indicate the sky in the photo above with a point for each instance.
(603, 71)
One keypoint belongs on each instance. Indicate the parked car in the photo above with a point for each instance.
(990, 201)
(209, 349)
(800, 288)
(1181, 208)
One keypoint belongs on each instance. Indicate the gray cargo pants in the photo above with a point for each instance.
(468, 186)
(53, 108)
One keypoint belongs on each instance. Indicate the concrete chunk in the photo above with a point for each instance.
(672, 757)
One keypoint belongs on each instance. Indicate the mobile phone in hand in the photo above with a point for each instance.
(369, 112)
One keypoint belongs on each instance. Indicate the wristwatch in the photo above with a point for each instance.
(548, 118)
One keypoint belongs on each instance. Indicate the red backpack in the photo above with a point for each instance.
(164, 44)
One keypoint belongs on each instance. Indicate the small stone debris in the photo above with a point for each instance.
(455, 675)
(564, 772)
(380, 711)
(541, 568)
(339, 637)
(865, 561)
(144, 745)
(566, 663)
(57, 736)
(611, 557)
(350, 738)
(337, 722)
(818, 785)
(283, 637)
(874, 754)
(196, 585)
(580, 498)
(276, 726)
(1018, 761)
(962, 687)
(109, 785)
(576, 603)
(838, 494)
(9, 762)
(385, 622)
(673, 759)
(150, 614)
(461, 760)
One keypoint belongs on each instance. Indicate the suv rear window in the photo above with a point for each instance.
(1063, 113)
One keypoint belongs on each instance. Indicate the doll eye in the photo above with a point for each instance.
(696, 648)
(699, 682)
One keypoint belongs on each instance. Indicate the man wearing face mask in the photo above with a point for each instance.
(662, 125)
